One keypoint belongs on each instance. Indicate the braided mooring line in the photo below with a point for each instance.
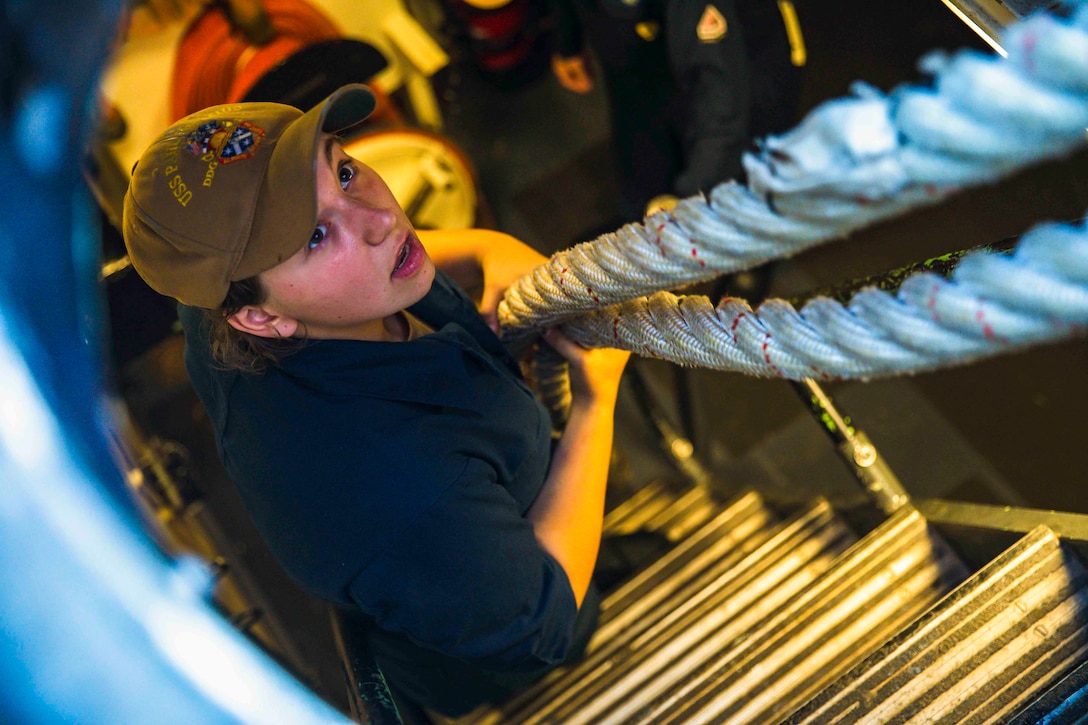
(993, 303)
(850, 163)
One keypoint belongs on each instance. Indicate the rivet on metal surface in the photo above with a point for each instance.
(864, 455)
(682, 448)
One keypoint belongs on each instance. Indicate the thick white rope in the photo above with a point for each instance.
(850, 163)
(993, 303)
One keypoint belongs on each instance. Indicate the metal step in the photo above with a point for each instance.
(690, 511)
(657, 507)
(873, 590)
(693, 628)
(982, 654)
(682, 610)
(737, 528)
(732, 533)
(1066, 703)
(641, 506)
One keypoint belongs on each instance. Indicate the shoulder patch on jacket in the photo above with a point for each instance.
(712, 26)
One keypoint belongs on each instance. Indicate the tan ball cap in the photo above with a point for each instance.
(229, 192)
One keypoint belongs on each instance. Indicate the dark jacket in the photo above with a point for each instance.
(393, 477)
(691, 83)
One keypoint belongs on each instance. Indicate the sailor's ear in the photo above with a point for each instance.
(259, 321)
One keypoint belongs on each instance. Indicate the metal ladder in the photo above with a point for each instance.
(762, 616)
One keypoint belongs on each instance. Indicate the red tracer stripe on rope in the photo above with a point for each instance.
(733, 327)
(767, 354)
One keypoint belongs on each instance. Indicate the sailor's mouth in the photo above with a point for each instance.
(409, 258)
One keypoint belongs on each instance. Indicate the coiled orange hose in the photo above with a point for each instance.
(216, 63)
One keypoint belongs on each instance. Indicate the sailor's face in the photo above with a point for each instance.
(363, 261)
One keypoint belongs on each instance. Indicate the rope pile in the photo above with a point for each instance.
(850, 163)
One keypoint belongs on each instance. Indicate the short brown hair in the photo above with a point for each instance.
(233, 349)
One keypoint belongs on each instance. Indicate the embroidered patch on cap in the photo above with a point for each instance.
(712, 25)
(226, 140)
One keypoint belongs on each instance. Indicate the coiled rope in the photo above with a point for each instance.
(850, 163)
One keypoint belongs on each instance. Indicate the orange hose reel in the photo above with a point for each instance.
(216, 63)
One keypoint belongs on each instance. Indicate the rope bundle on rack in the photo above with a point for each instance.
(850, 163)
